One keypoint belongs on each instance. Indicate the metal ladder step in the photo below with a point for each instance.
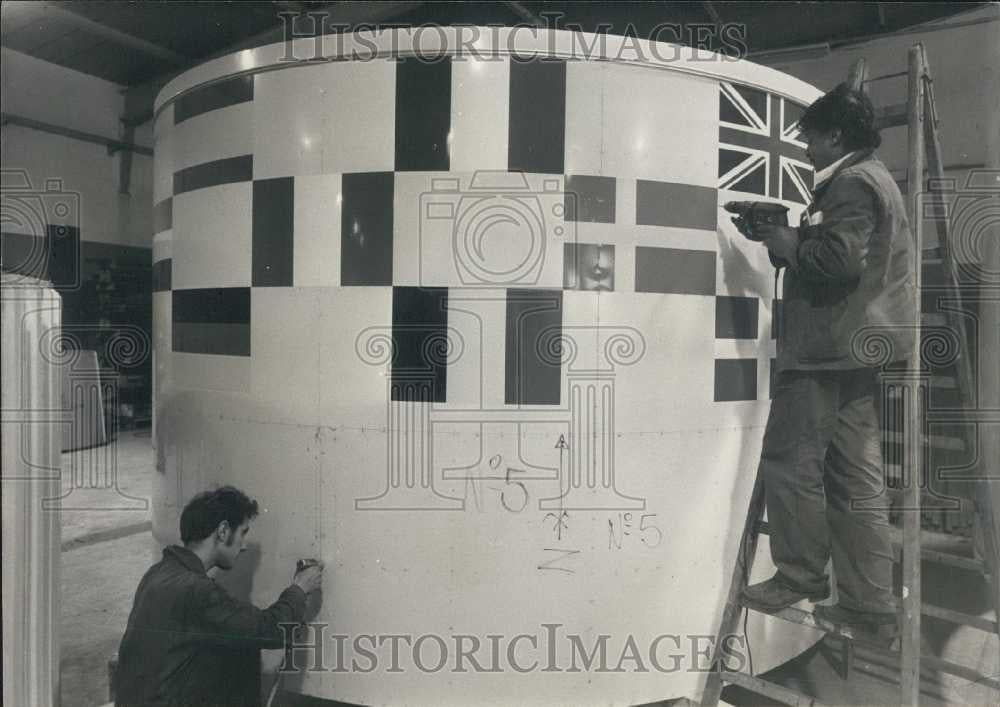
(958, 553)
(776, 692)
(936, 382)
(807, 618)
(959, 618)
(810, 620)
(886, 668)
(949, 559)
(891, 116)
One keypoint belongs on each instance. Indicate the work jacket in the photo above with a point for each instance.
(190, 642)
(849, 299)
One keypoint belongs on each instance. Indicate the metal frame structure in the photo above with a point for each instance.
(919, 114)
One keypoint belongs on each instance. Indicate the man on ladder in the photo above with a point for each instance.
(850, 273)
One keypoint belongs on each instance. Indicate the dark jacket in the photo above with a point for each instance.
(850, 300)
(190, 642)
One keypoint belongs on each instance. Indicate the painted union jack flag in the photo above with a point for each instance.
(759, 152)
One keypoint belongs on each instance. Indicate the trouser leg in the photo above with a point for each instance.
(799, 429)
(860, 540)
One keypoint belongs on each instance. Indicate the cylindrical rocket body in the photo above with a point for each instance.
(461, 309)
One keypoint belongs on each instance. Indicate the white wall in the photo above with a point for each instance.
(964, 57)
(46, 92)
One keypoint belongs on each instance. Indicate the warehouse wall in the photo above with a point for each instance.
(46, 92)
(65, 221)
(964, 57)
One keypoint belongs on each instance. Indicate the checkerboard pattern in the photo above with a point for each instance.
(396, 175)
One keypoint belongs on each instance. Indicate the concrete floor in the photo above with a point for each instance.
(107, 546)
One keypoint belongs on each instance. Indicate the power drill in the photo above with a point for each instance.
(305, 563)
(751, 214)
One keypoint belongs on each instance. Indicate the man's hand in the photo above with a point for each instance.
(310, 578)
(781, 241)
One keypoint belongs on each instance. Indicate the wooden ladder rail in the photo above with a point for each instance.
(919, 114)
(913, 452)
(921, 108)
(956, 318)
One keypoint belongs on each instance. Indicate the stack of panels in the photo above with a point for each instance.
(31, 483)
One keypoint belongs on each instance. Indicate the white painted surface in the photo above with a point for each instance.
(305, 424)
(163, 245)
(317, 121)
(288, 132)
(215, 135)
(317, 230)
(622, 121)
(430, 251)
(479, 108)
(212, 237)
(163, 165)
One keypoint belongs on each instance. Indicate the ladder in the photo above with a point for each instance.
(916, 386)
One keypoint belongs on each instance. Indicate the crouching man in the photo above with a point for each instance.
(190, 642)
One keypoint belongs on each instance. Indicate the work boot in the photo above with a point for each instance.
(879, 628)
(876, 624)
(777, 593)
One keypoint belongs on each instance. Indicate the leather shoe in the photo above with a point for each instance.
(776, 594)
(842, 616)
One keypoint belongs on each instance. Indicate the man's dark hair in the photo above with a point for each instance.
(849, 110)
(204, 512)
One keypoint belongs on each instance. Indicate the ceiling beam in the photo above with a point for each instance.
(712, 11)
(139, 98)
(525, 14)
(113, 35)
(349, 13)
(772, 57)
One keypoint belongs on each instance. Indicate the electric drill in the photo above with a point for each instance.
(751, 214)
